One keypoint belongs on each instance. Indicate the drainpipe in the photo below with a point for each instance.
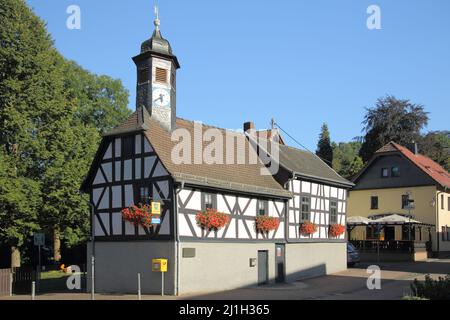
(177, 238)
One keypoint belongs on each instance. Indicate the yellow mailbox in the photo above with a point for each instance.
(159, 265)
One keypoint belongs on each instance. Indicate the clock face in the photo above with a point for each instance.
(161, 97)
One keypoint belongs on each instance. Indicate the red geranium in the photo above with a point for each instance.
(307, 228)
(336, 230)
(138, 215)
(266, 223)
(212, 219)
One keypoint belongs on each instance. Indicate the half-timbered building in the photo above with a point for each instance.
(135, 164)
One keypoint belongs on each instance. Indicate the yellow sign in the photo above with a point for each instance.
(159, 265)
(156, 208)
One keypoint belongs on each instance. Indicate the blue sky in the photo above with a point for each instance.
(301, 62)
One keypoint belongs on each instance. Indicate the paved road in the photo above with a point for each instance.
(350, 284)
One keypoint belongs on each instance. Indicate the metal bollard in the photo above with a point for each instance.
(139, 287)
(33, 290)
(11, 282)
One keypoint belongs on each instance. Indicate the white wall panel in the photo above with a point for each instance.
(117, 223)
(117, 197)
(107, 168)
(128, 170)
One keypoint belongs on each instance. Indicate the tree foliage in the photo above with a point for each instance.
(436, 145)
(346, 160)
(391, 120)
(324, 149)
(52, 115)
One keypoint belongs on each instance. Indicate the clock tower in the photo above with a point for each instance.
(156, 78)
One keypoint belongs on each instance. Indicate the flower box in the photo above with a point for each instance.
(211, 219)
(138, 215)
(336, 230)
(266, 223)
(308, 228)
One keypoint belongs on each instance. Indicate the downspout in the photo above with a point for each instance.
(437, 222)
(177, 238)
(286, 213)
(437, 218)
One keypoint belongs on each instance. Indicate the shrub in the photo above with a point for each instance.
(432, 289)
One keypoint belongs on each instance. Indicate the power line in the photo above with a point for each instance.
(300, 144)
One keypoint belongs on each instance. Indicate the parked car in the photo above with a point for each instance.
(352, 255)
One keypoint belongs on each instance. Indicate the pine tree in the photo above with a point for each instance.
(324, 149)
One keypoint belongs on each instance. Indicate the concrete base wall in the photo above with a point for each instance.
(222, 266)
(118, 263)
(307, 260)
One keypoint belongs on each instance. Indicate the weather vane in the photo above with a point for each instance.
(157, 21)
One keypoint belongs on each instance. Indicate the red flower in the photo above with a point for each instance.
(336, 230)
(307, 228)
(266, 223)
(138, 215)
(212, 219)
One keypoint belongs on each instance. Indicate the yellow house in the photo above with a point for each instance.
(401, 181)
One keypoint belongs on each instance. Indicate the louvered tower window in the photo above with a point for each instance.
(161, 75)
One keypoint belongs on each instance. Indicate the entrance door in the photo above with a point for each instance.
(389, 233)
(279, 262)
(263, 272)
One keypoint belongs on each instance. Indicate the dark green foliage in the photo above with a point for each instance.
(391, 120)
(52, 114)
(432, 289)
(436, 145)
(324, 150)
(346, 161)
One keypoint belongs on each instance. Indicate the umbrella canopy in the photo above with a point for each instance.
(358, 221)
(395, 219)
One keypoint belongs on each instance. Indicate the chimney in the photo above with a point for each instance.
(413, 147)
(249, 126)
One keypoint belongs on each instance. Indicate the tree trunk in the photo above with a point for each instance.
(15, 257)
(56, 244)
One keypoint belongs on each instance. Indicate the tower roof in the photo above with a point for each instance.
(157, 43)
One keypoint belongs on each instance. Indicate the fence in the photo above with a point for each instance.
(5, 282)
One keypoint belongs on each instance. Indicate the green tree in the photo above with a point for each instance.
(101, 101)
(436, 145)
(391, 120)
(52, 113)
(324, 149)
(346, 161)
(19, 203)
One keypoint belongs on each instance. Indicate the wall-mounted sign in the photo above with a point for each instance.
(156, 221)
(156, 207)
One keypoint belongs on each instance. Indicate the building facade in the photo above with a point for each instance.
(393, 178)
(136, 163)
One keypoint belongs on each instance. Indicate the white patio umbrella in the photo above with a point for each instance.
(358, 221)
(394, 219)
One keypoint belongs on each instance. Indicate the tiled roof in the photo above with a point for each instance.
(307, 164)
(430, 167)
(239, 177)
